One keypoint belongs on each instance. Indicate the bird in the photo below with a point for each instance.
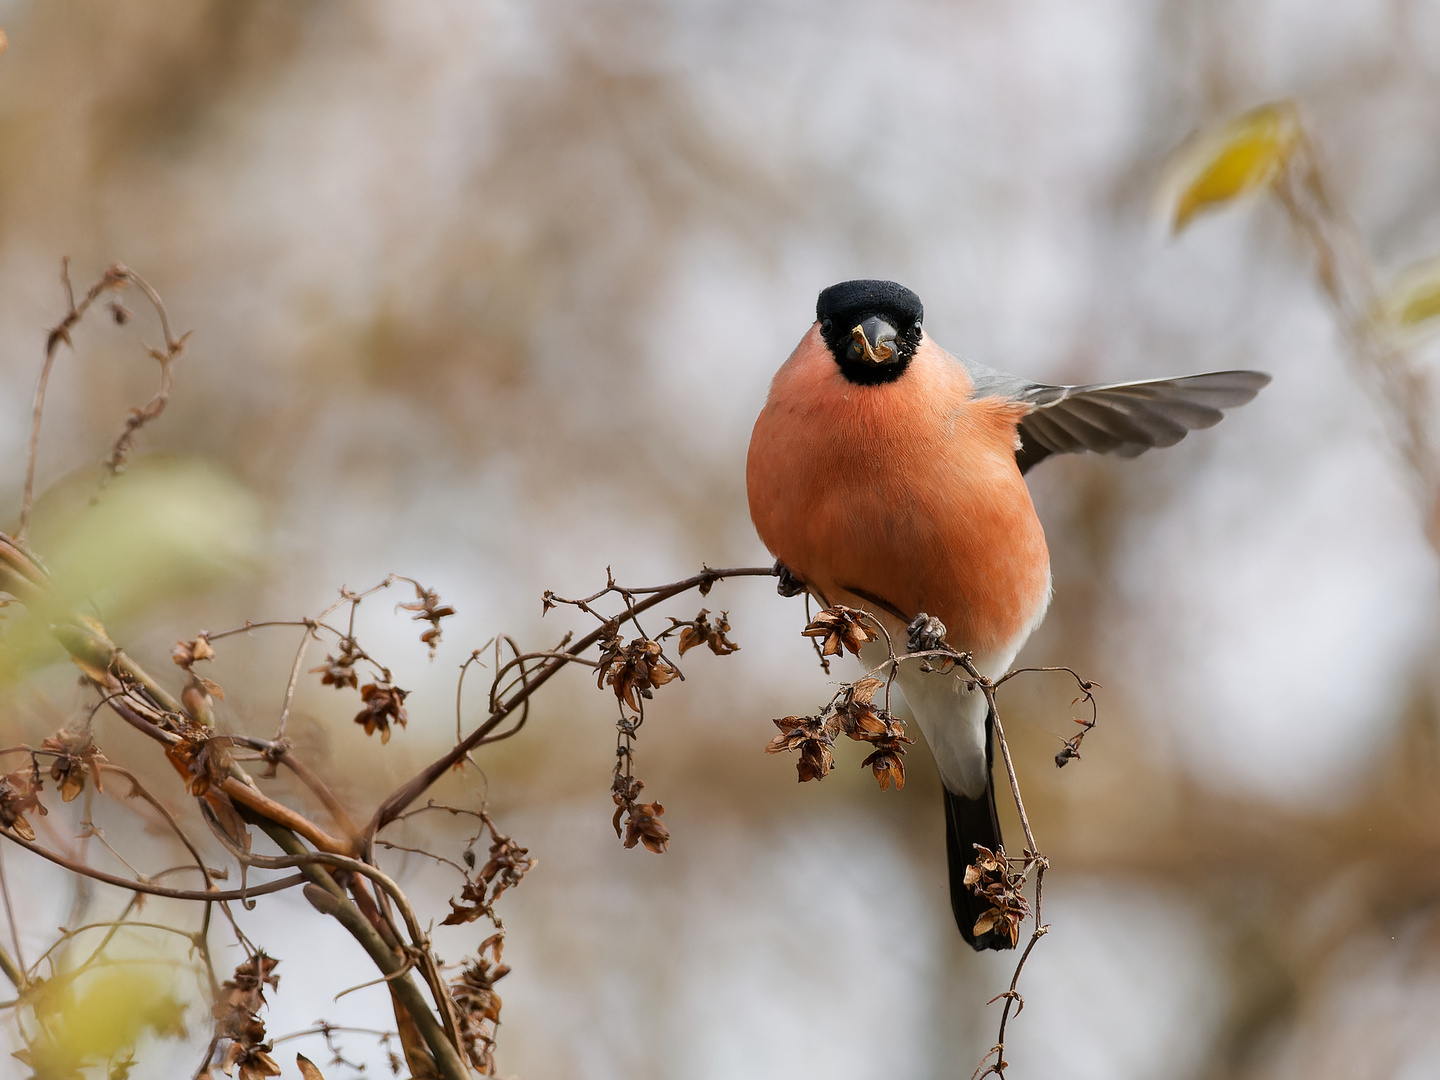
(885, 474)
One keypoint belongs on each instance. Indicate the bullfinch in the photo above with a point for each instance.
(886, 474)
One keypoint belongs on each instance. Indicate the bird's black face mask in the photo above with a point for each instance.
(871, 328)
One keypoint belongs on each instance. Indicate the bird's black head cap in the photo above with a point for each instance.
(872, 328)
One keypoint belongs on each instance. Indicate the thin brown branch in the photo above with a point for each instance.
(328, 1029)
(113, 278)
(321, 791)
(418, 784)
(1012, 996)
(13, 971)
(19, 960)
(152, 409)
(1392, 375)
(267, 624)
(295, 670)
(262, 804)
(421, 851)
(67, 934)
(139, 789)
(149, 888)
(988, 689)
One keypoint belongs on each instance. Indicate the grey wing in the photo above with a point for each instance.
(1117, 418)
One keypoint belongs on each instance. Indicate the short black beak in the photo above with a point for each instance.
(873, 342)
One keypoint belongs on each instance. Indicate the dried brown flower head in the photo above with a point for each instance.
(198, 691)
(478, 1003)
(427, 608)
(246, 988)
(473, 906)
(990, 879)
(839, 627)
(339, 671)
(383, 703)
(507, 864)
(236, 1011)
(187, 653)
(76, 757)
(19, 794)
(813, 736)
(249, 1062)
(633, 670)
(700, 631)
(642, 824)
(202, 758)
(886, 762)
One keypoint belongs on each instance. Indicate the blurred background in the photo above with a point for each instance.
(489, 293)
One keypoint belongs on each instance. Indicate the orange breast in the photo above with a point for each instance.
(906, 492)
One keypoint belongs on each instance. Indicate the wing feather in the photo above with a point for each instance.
(1124, 418)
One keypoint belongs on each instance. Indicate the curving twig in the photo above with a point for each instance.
(149, 888)
(116, 277)
(417, 785)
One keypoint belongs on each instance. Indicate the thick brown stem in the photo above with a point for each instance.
(391, 963)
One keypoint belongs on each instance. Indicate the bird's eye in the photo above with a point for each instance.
(825, 326)
(917, 324)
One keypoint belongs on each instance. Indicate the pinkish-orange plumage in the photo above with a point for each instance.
(886, 474)
(883, 493)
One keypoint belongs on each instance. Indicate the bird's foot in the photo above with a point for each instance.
(789, 584)
(925, 633)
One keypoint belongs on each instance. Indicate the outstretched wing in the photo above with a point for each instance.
(1117, 418)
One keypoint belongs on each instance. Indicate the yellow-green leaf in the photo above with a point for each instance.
(1415, 296)
(165, 528)
(1245, 155)
(102, 1016)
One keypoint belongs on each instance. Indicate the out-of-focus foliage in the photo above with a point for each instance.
(1243, 157)
(1414, 299)
(163, 529)
(96, 1018)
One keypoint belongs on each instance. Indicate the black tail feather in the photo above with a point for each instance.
(969, 822)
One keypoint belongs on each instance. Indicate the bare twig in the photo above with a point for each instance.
(19, 960)
(149, 888)
(1012, 995)
(295, 670)
(112, 279)
(416, 786)
(1393, 376)
(116, 277)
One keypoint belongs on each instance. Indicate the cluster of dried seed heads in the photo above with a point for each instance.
(632, 670)
(989, 878)
(428, 608)
(853, 713)
(507, 864)
(839, 627)
(478, 1003)
(237, 1019)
